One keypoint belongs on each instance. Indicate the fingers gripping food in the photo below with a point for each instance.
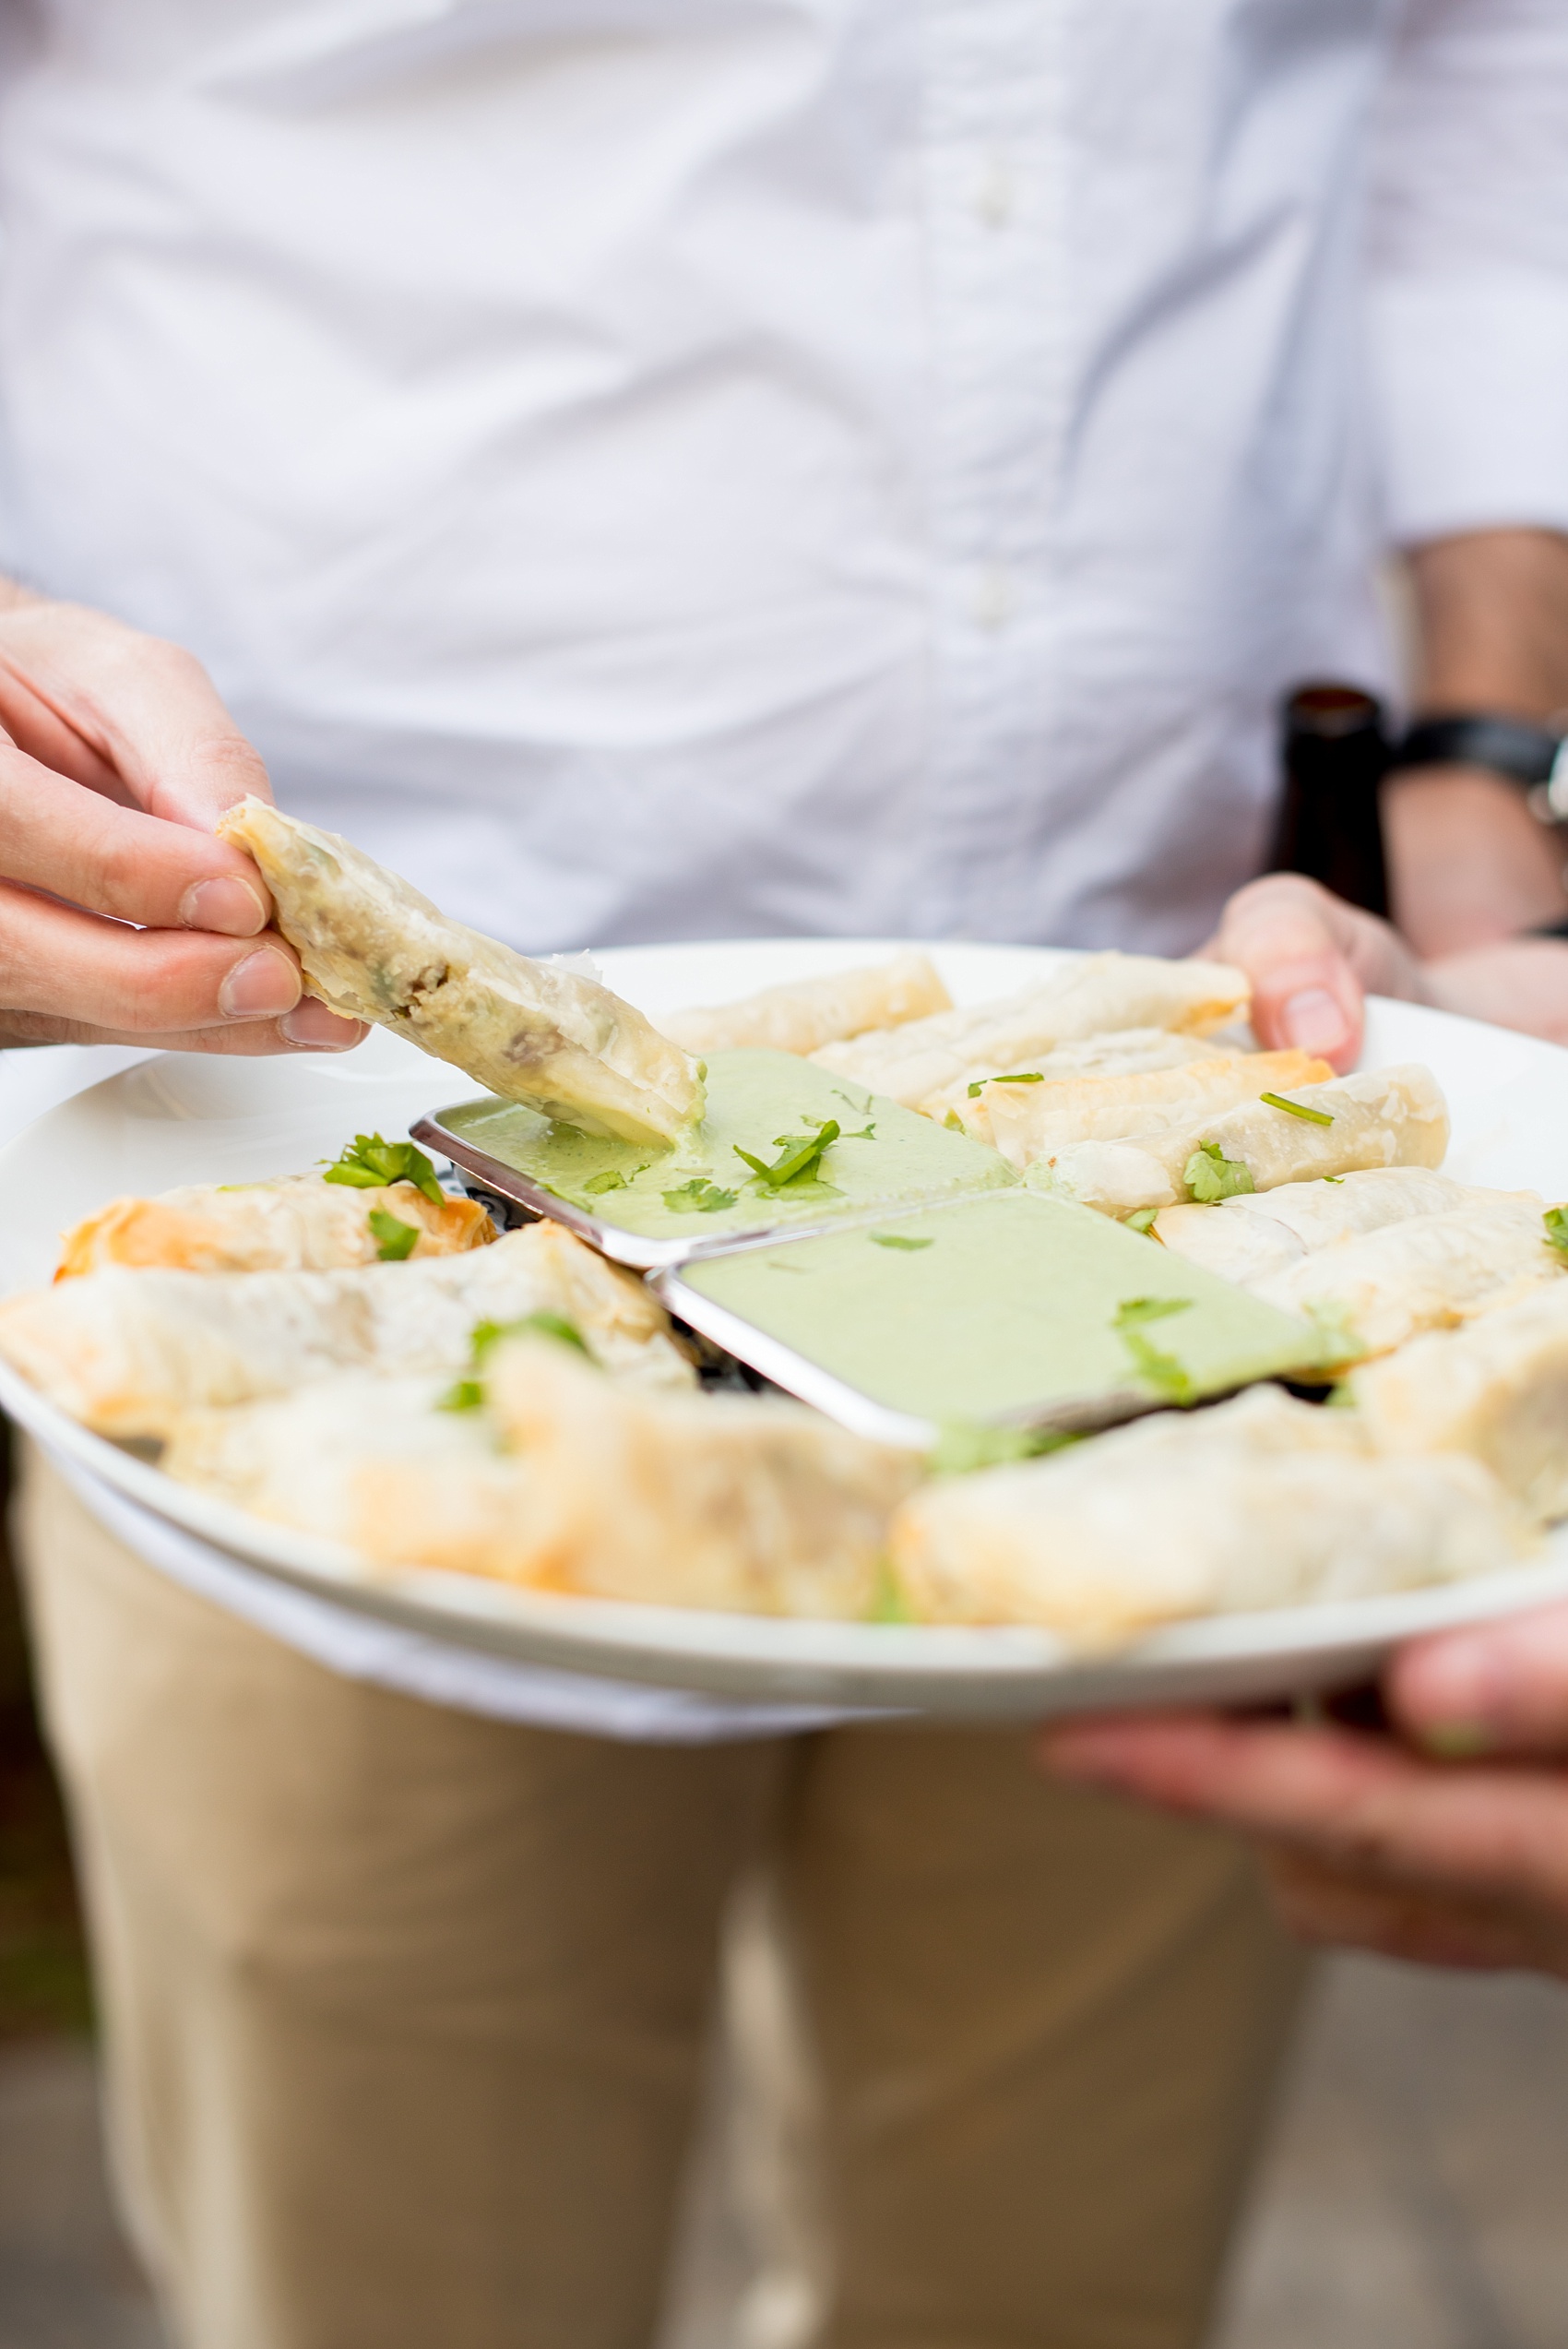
(373, 948)
(1263, 1502)
(302, 1223)
(126, 1352)
(814, 1012)
(1087, 997)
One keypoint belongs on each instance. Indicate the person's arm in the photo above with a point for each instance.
(1468, 863)
(122, 919)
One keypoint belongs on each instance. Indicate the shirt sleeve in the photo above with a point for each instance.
(1470, 268)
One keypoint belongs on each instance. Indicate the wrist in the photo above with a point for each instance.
(1468, 863)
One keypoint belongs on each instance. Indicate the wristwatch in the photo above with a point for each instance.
(1536, 758)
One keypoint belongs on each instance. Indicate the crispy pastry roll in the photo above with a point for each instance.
(1496, 1388)
(1381, 1117)
(126, 1352)
(299, 1224)
(1246, 1238)
(1371, 1295)
(313, 1459)
(1087, 997)
(1033, 1121)
(1262, 1502)
(813, 1012)
(373, 948)
(1128, 1050)
(569, 1480)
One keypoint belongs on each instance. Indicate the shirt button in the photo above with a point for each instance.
(995, 193)
(991, 601)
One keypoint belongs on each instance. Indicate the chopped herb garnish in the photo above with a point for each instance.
(368, 1162)
(964, 1444)
(900, 1240)
(1334, 1178)
(1142, 1220)
(953, 1120)
(866, 1133)
(468, 1394)
(1018, 1076)
(1133, 1311)
(888, 1604)
(610, 1180)
(1298, 1109)
(487, 1335)
(394, 1238)
(699, 1196)
(1159, 1370)
(1556, 1221)
(801, 1156)
(1210, 1176)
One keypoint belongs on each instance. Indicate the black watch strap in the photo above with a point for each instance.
(1527, 755)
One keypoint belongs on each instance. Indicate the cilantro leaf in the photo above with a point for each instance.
(1210, 1176)
(1159, 1370)
(801, 1156)
(487, 1335)
(1298, 1109)
(466, 1394)
(369, 1162)
(610, 1180)
(900, 1240)
(1142, 1220)
(394, 1238)
(699, 1196)
(1133, 1311)
(1556, 1221)
(966, 1444)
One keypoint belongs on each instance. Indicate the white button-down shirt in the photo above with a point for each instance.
(675, 467)
(652, 468)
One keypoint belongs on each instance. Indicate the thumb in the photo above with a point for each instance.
(1288, 936)
(1499, 1688)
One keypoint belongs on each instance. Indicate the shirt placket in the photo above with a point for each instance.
(995, 191)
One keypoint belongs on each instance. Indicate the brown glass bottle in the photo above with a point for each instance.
(1336, 754)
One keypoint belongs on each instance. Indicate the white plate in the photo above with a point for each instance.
(183, 1120)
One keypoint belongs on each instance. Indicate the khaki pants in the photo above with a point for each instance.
(405, 2010)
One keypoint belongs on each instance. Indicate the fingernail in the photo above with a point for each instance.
(311, 1025)
(260, 986)
(1314, 1022)
(227, 904)
(1461, 1700)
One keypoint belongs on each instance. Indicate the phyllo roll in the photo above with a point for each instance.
(1127, 1052)
(1085, 998)
(1262, 1502)
(1248, 1238)
(302, 1223)
(1496, 1388)
(1033, 1121)
(813, 1012)
(562, 1479)
(373, 948)
(1379, 1117)
(126, 1350)
(1369, 1296)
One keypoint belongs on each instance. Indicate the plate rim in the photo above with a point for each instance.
(997, 1671)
